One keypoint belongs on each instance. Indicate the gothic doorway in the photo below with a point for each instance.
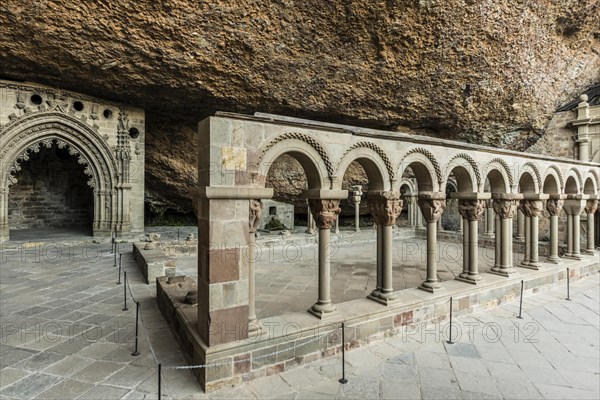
(51, 195)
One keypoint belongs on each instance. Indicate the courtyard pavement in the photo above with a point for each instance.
(64, 336)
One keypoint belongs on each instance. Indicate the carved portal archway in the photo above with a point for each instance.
(108, 174)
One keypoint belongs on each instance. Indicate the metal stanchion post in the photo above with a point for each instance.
(450, 334)
(568, 286)
(343, 380)
(521, 302)
(125, 291)
(120, 268)
(159, 383)
(115, 256)
(177, 235)
(112, 242)
(137, 325)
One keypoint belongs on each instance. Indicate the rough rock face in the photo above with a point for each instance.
(490, 71)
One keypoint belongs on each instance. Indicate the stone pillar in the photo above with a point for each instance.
(532, 209)
(471, 211)
(4, 228)
(356, 196)
(520, 225)
(590, 209)
(432, 205)
(409, 211)
(574, 205)
(505, 205)
(583, 138)
(460, 225)
(489, 220)
(310, 223)
(385, 207)
(554, 205)
(255, 211)
(497, 243)
(325, 206)
(336, 229)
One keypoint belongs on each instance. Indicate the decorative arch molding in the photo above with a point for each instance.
(474, 168)
(532, 170)
(110, 186)
(311, 141)
(595, 172)
(501, 165)
(374, 153)
(554, 171)
(410, 184)
(579, 178)
(592, 178)
(428, 156)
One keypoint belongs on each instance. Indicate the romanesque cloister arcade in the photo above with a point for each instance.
(235, 154)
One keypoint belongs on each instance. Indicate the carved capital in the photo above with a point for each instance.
(324, 212)
(432, 205)
(555, 203)
(385, 206)
(505, 204)
(591, 206)
(471, 209)
(531, 208)
(255, 213)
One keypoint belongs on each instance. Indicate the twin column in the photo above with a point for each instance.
(471, 210)
(532, 207)
(505, 206)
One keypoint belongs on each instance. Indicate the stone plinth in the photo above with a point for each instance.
(153, 263)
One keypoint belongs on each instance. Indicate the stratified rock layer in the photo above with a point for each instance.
(486, 71)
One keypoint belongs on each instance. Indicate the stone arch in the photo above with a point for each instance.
(425, 167)
(31, 132)
(574, 181)
(410, 184)
(594, 175)
(589, 186)
(529, 179)
(553, 172)
(311, 155)
(374, 161)
(499, 175)
(466, 173)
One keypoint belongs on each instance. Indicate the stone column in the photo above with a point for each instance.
(409, 211)
(505, 205)
(532, 209)
(460, 225)
(554, 205)
(489, 220)
(4, 228)
(574, 205)
(337, 225)
(498, 242)
(324, 211)
(520, 226)
(255, 211)
(590, 209)
(385, 207)
(526, 222)
(583, 123)
(356, 196)
(432, 205)
(471, 211)
(309, 220)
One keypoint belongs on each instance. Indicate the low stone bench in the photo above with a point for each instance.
(153, 262)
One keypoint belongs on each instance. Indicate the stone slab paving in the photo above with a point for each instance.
(64, 336)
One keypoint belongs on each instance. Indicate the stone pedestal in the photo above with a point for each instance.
(255, 211)
(385, 207)
(554, 205)
(432, 205)
(505, 205)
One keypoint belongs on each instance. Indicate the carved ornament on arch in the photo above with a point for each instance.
(376, 149)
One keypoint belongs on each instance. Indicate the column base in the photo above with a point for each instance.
(589, 252)
(530, 265)
(553, 260)
(381, 300)
(505, 272)
(431, 287)
(322, 311)
(472, 279)
(309, 231)
(254, 327)
(573, 257)
(519, 238)
(488, 235)
(523, 264)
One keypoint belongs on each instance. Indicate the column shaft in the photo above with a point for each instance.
(323, 304)
(252, 323)
(553, 256)
(387, 291)
(465, 255)
(534, 260)
(357, 217)
(473, 251)
(520, 225)
(432, 281)
(527, 243)
(590, 234)
(506, 245)
(576, 235)
(379, 259)
(498, 242)
(569, 252)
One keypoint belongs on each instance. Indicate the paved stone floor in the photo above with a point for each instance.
(64, 336)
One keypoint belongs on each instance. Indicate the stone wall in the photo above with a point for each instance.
(51, 192)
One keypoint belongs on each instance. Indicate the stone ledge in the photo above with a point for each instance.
(366, 322)
(153, 263)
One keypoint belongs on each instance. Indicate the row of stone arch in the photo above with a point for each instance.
(382, 174)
